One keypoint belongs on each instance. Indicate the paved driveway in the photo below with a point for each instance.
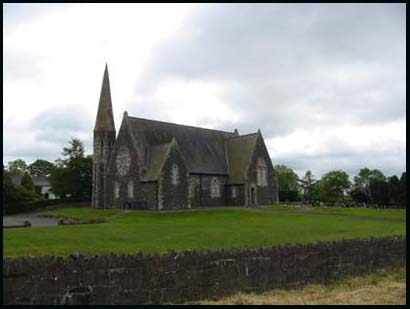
(18, 220)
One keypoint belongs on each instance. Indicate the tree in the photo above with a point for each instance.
(307, 183)
(403, 189)
(287, 183)
(15, 194)
(17, 167)
(333, 186)
(74, 150)
(27, 182)
(40, 168)
(379, 192)
(72, 175)
(361, 190)
(394, 190)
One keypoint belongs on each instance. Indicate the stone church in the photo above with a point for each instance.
(158, 165)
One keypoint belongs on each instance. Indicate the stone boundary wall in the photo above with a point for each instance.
(177, 277)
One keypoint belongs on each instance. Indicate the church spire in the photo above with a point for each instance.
(105, 118)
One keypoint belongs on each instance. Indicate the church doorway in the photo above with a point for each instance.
(252, 195)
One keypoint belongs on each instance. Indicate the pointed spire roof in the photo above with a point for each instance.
(105, 118)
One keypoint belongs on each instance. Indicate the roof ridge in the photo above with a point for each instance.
(245, 135)
(182, 125)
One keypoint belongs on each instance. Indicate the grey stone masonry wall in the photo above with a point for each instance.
(149, 192)
(194, 194)
(206, 199)
(239, 200)
(139, 200)
(103, 144)
(177, 277)
(173, 196)
(265, 195)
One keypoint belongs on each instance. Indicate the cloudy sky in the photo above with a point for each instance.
(325, 83)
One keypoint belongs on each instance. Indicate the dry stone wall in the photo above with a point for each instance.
(176, 277)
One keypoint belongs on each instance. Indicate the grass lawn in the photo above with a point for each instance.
(132, 231)
(372, 212)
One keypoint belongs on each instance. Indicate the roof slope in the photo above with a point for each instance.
(240, 150)
(157, 155)
(203, 150)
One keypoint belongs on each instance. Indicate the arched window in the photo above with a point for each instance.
(116, 190)
(130, 189)
(174, 174)
(234, 191)
(215, 188)
(261, 173)
(191, 189)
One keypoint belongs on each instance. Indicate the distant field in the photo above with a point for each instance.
(372, 212)
(381, 287)
(132, 231)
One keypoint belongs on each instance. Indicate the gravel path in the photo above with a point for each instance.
(18, 220)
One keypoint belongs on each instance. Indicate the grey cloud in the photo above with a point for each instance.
(276, 59)
(47, 133)
(282, 66)
(59, 124)
(20, 65)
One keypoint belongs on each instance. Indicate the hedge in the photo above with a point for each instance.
(21, 207)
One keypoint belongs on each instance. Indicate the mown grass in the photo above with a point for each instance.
(132, 231)
(381, 287)
(365, 212)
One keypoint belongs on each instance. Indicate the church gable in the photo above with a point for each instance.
(123, 181)
(239, 154)
(261, 174)
(173, 180)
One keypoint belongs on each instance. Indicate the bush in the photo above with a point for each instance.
(21, 207)
(288, 196)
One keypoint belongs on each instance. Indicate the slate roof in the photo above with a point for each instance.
(157, 155)
(240, 150)
(204, 151)
(40, 181)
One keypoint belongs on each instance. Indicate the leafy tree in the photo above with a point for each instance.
(73, 174)
(17, 167)
(361, 186)
(394, 190)
(287, 178)
(13, 193)
(403, 190)
(333, 186)
(27, 182)
(287, 183)
(379, 192)
(40, 168)
(307, 183)
(74, 150)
